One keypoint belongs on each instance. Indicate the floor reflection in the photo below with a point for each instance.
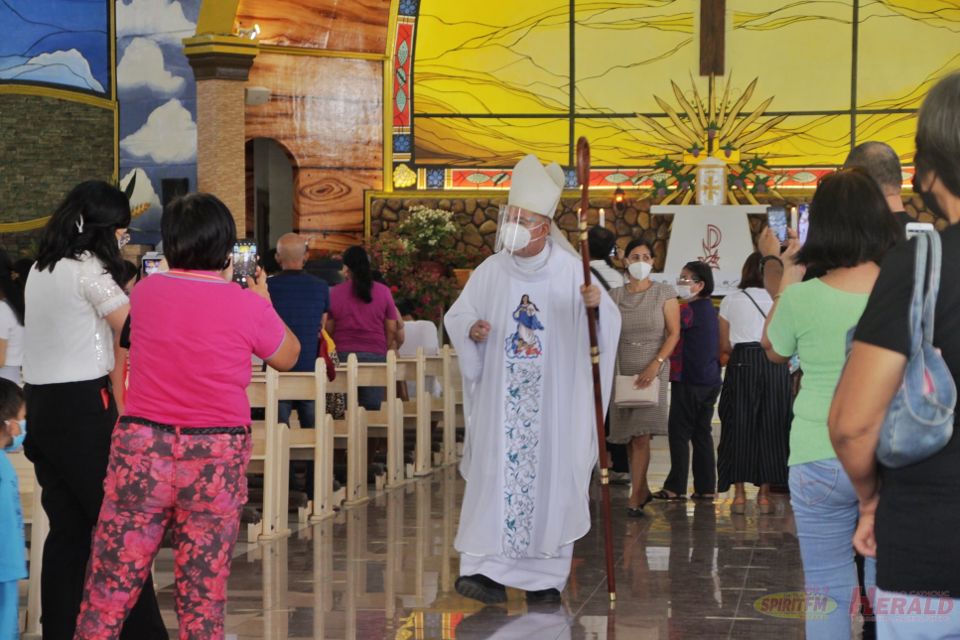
(386, 570)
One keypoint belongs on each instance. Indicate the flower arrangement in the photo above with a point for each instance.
(427, 230)
(430, 292)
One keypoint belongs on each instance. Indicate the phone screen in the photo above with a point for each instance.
(151, 266)
(244, 261)
(777, 220)
(803, 221)
(151, 263)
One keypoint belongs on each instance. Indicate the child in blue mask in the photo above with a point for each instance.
(13, 566)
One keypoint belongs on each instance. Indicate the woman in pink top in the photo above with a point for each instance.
(362, 319)
(179, 454)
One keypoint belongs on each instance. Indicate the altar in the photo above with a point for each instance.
(716, 234)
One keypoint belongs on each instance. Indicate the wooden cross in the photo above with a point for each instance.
(712, 25)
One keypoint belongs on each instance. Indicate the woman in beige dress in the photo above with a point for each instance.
(650, 331)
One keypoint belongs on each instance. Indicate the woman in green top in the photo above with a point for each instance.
(850, 230)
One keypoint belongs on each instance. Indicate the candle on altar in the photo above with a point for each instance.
(603, 217)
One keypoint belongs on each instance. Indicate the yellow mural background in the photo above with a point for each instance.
(492, 81)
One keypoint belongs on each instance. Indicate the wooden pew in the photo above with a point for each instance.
(406, 370)
(352, 431)
(271, 457)
(386, 421)
(453, 411)
(312, 444)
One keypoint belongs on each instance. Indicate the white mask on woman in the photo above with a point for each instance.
(683, 291)
(640, 270)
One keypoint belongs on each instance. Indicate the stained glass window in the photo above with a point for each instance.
(493, 81)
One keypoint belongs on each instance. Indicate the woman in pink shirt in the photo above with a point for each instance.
(362, 319)
(179, 454)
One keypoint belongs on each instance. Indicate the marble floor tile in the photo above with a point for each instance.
(386, 570)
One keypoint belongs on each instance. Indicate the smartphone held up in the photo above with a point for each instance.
(777, 221)
(244, 261)
(799, 221)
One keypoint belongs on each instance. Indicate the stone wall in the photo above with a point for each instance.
(477, 215)
(46, 147)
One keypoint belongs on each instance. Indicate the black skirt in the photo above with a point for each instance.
(755, 414)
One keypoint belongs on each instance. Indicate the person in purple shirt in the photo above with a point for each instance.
(362, 319)
(695, 384)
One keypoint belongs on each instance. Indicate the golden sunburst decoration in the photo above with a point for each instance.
(724, 129)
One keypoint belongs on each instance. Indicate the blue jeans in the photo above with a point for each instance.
(902, 616)
(370, 398)
(826, 509)
(306, 412)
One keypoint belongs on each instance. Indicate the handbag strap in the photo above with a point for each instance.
(933, 286)
(917, 299)
(755, 304)
(599, 277)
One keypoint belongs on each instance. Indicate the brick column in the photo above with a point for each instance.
(221, 65)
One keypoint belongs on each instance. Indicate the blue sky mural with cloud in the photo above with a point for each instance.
(158, 101)
(56, 42)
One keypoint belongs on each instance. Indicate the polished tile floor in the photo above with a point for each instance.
(386, 570)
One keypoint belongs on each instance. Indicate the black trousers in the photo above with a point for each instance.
(69, 444)
(691, 412)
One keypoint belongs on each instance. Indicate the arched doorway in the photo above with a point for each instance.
(270, 207)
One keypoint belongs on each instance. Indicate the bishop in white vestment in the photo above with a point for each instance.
(520, 331)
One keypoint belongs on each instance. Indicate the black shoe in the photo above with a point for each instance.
(480, 587)
(635, 512)
(543, 596)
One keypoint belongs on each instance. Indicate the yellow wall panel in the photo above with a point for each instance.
(490, 142)
(801, 51)
(626, 49)
(905, 46)
(511, 57)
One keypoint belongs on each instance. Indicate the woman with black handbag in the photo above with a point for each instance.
(755, 398)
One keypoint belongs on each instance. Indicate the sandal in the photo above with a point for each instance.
(704, 496)
(738, 508)
(635, 512)
(663, 495)
(765, 507)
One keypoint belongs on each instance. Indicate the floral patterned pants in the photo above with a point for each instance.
(194, 483)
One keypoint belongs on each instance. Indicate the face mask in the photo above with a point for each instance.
(683, 290)
(929, 200)
(18, 440)
(640, 270)
(515, 236)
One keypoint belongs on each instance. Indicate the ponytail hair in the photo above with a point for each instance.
(357, 260)
(87, 221)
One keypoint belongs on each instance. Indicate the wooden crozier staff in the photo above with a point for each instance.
(583, 175)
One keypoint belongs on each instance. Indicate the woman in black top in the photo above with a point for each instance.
(909, 516)
(695, 384)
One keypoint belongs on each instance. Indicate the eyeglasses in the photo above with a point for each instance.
(644, 257)
(687, 280)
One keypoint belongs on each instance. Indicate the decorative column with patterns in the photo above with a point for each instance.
(221, 65)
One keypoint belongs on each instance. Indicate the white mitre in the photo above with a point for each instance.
(537, 189)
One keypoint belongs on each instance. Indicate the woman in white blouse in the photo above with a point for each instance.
(75, 308)
(755, 400)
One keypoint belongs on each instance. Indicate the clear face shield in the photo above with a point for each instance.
(517, 228)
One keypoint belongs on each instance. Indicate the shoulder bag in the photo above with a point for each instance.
(919, 420)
